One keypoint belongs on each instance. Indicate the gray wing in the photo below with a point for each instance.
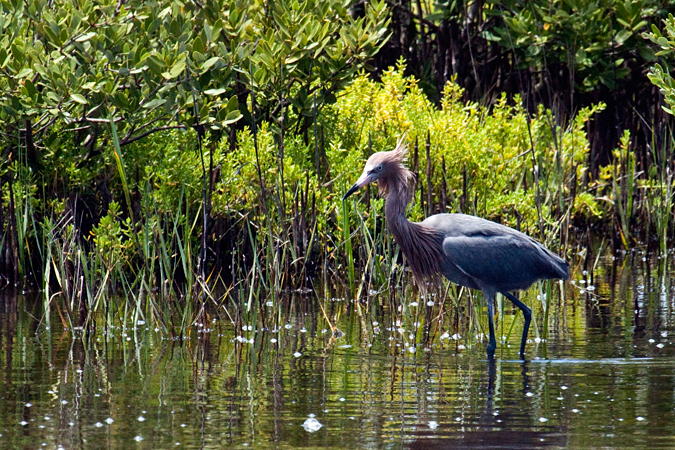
(481, 254)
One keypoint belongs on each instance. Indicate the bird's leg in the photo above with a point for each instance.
(492, 345)
(492, 374)
(527, 314)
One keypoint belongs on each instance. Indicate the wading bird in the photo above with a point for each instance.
(467, 250)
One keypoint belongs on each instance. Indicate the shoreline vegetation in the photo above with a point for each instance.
(162, 169)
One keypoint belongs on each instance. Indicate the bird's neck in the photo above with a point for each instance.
(395, 205)
(421, 246)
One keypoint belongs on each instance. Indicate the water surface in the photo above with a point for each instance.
(397, 374)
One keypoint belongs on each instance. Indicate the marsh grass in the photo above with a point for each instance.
(449, 318)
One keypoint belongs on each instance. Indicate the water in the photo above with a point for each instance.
(604, 378)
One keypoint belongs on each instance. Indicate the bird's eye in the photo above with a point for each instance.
(379, 168)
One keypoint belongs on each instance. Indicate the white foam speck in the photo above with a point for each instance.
(311, 425)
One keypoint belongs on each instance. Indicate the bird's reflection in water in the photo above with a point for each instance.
(509, 428)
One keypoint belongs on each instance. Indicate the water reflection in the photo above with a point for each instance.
(392, 377)
(499, 427)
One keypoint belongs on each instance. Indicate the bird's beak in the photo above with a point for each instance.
(365, 179)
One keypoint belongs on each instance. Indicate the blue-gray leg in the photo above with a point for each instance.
(527, 314)
(492, 345)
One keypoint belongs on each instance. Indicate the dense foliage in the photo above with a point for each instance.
(75, 66)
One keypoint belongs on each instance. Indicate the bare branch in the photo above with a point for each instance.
(154, 130)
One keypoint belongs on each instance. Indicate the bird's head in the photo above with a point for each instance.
(382, 166)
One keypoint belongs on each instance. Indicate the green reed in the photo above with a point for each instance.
(660, 192)
(348, 248)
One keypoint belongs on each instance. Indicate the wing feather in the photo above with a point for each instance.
(483, 254)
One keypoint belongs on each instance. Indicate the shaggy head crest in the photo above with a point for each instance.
(399, 153)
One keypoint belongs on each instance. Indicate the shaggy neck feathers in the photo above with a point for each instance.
(421, 245)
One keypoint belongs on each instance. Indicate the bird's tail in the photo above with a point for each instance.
(559, 267)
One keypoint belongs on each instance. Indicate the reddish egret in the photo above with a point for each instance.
(467, 250)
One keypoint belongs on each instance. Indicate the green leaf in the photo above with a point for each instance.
(176, 70)
(232, 104)
(210, 63)
(30, 88)
(85, 37)
(622, 36)
(24, 73)
(203, 113)
(232, 117)
(292, 59)
(155, 64)
(154, 103)
(198, 45)
(198, 57)
(17, 52)
(79, 98)
(207, 31)
(640, 25)
(215, 91)
(52, 96)
(623, 22)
